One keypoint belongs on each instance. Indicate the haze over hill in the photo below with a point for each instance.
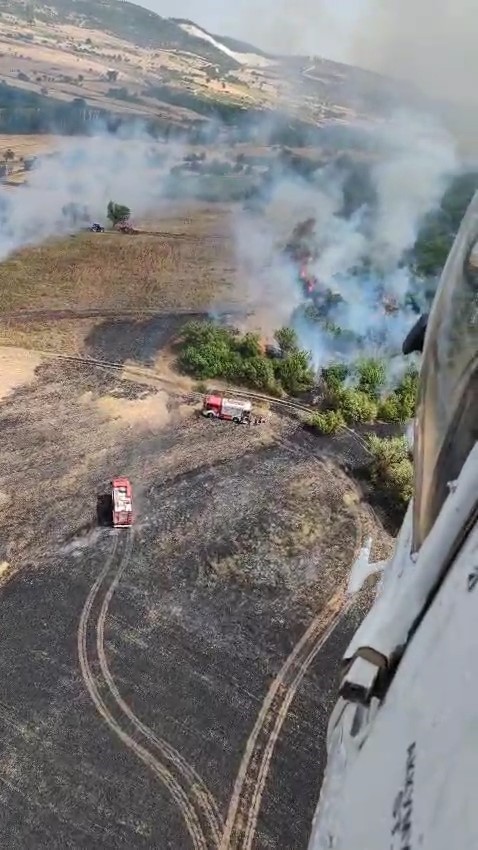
(127, 59)
(433, 45)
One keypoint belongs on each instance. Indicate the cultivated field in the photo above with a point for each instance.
(66, 61)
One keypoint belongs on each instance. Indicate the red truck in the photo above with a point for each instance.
(218, 407)
(121, 503)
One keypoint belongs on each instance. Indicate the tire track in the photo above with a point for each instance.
(143, 372)
(253, 807)
(241, 823)
(249, 786)
(161, 772)
(244, 806)
(205, 802)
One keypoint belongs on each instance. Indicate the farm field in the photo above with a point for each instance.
(135, 664)
(168, 686)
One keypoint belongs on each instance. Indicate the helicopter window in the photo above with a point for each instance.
(446, 425)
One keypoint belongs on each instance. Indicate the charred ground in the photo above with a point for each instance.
(242, 536)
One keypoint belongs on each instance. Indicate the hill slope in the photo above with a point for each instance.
(124, 58)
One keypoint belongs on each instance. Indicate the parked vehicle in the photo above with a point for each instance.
(121, 503)
(218, 407)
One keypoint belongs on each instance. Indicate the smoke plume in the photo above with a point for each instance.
(72, 187)
(360, 257)
(432, 44)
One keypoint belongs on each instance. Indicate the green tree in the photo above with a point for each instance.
(335, 375)
(355, 405)
(249, 345)
(287, 339)
(390, 409)
(295, 372)
(399, 406)
(371, 375)
(259, 372)
(407, 392)
(210, 351)
(117, 213)
(391, 467)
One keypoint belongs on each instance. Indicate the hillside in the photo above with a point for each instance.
(123, 59)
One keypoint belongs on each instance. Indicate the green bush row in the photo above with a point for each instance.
(354, 393)
(209, 351)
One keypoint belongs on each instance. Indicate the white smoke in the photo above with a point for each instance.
(266, 277)
(85, 173)
(410, 182)
(409, 177)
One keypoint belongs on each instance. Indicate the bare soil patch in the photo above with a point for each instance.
(17, 367)
(148, 412)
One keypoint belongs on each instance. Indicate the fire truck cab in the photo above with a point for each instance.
(121, 503)
(218, 407)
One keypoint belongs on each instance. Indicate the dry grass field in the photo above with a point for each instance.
(29, 145)
(182, 261)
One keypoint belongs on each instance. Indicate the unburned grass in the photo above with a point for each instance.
(162, 270)
(65, 337)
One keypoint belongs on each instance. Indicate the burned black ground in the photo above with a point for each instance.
(242, 534)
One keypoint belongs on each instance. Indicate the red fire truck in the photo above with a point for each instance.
(218, 407)
(121, 503)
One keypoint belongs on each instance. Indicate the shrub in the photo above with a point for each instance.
(407, 392)
(355, 405)
(327, 423)
(295, 373)
(258, 372)
(390, 409)
(249, 345)
(335, 375)
(209, 351)
(371, 375)
(400, 405)
(391, 467)
(287, 340)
